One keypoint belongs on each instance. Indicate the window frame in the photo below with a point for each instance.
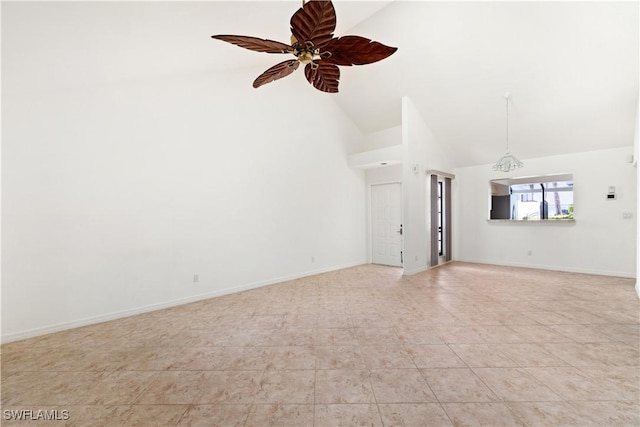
(501, 191)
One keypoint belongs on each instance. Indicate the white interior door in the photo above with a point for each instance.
(386, 224)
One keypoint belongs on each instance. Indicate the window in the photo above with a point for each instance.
(440, 219)
(532, 198)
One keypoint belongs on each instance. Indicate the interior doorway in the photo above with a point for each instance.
(440, 219)
(386, 224)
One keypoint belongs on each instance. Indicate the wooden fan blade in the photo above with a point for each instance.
(324, 77)
(356, 50)
(255, 43)
(315, 21)
(276, 72)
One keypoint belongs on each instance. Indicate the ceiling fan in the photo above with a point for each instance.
(313, 44)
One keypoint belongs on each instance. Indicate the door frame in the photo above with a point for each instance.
(370, 217)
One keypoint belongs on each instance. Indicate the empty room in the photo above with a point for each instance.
(316, 213)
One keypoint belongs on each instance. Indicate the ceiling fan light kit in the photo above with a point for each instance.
(314, 45)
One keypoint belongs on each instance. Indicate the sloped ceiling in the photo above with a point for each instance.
(571, 67)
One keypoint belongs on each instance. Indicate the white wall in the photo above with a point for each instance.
(636, 153)
(115, 196)
(423, 152)
(599, 242)
(384, 175)
(383, 138)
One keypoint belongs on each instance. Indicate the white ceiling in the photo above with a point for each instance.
(572, 67)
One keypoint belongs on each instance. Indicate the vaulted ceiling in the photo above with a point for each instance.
(571, 67)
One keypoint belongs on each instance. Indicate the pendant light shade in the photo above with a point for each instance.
(508, 162)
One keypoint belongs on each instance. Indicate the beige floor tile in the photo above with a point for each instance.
(212, 338)
(304, 321)
(147, 358)
(515, 385)
(434, 356)
(499, 333)
(482, 355)
(580, 333)
(119, 387)
(370, 320)
(293, 357)
(17, 387)
(346, 340)
(626, 333)
(198, 359)
(418, 335)
(215, 415)
(609, 413)
(548, 414)
(335, 321)
(146, 415)
(248, 338)
(529, 355)
(458, 385)
(280, 415)
(538, 333)
(343, 386)
(337, 336)
(548, 317)
(171, 388)
(228, 387)
(481, 414)
(573, 384)
(244, 358)
(387, 357)
(595, 354)
(340, 357)
(458, 334)
(266, 321)
(624, 380)
(43, 358)
(377, 336)
(286, 387)
(347, 415)
(400, 386)
(583, 317)
(292, 337)
(50, 388)
(413, 414)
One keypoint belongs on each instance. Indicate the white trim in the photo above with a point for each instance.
(58, 327)
(440, 173)
(532, 221)
(553, 268)
(369, 217)
(416, 271)
(377, 158)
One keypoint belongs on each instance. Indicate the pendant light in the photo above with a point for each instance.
(508, 162)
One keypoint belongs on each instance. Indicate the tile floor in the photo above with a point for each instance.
(463, 344)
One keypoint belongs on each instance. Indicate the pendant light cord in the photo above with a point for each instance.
(507, 100)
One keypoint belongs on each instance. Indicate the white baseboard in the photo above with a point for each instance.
(554, 268)
(415, 271)
(63, 326)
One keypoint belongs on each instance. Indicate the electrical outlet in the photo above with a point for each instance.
(196, 278)
(627, 215)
